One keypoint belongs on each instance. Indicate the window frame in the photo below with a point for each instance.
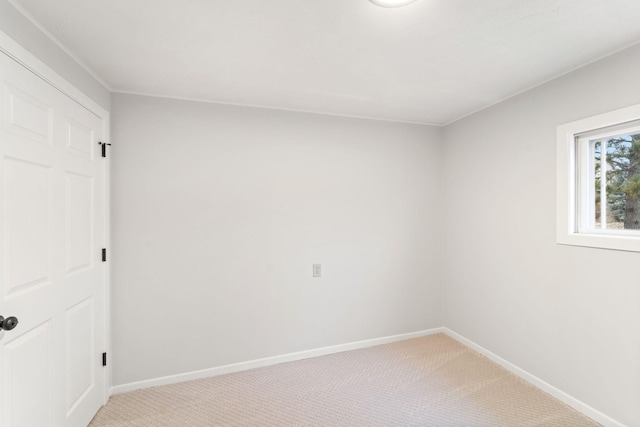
(568, 193)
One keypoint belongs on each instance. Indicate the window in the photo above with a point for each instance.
(598, 173)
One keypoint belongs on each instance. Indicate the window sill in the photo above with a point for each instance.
(601, 241)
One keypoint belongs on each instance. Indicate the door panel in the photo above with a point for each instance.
(81, 141)
(52, 229)
(80, 364)
(28, 115)
(83, 298)
(28, 373)
(28, 220)
(79, 222)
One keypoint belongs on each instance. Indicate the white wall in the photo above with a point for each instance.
(219, 213)
(569, 315)
(20, 29)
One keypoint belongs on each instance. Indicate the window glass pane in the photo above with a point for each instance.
(597, 154)
(623, 182)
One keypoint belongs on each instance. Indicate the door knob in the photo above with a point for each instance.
(9, 323)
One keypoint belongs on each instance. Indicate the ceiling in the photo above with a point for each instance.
(432, 62)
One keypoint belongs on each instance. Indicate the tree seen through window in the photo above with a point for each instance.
(622, 191)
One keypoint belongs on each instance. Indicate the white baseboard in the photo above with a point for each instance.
(258, 363)
(544, 386)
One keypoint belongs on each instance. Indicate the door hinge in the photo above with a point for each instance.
(104, 148)
(104, 359)
(104, 254)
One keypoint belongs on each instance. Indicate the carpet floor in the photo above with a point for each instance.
(429, 381)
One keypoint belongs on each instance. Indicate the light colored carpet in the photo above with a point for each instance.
(430, 381)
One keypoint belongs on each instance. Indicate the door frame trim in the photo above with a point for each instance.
(22, 56)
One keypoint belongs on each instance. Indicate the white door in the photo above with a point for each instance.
(52, 230)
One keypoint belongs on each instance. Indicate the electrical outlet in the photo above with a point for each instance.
(317, 270)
